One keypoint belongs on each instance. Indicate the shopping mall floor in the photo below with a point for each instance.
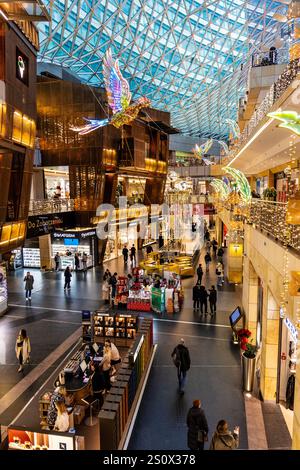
(53, 323)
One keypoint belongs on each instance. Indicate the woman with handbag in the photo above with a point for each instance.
(197, 427)
(223, 439)
(23, 349)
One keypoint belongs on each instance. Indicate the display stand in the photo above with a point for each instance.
(122, 292)
(139, 299)
(117, 326)
(158, 299)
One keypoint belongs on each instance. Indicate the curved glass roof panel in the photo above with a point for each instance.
(190, 57)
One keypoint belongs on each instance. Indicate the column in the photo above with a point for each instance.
(235, 261)
(250, 296)
(45, 251)
(270, 339)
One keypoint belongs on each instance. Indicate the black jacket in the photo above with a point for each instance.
(196, 421)
(184, 356)
(203, 295)
(68, 274)
(213, 296)
(196, 293)
(290, 391)
(199, 272)
(207, 258)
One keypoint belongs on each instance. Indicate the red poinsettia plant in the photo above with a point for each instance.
(249, 349)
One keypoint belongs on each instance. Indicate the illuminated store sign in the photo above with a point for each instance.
(292, 329)
(21, 66)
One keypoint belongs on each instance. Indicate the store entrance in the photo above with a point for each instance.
(288, 370)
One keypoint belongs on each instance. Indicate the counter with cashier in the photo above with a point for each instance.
(89, 421)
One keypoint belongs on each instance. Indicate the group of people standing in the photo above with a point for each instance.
(200, 296)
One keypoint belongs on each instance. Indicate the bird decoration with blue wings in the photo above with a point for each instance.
(119, 99)
(289, 120)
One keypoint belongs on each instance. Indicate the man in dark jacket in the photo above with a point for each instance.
(113, 282)
(200, 273)
(182, 361)
(207, 259)
(125, 254)
(203, 299)
(197, 426)
(196, 296)
(213, 300)
(132, 255)
(220, 254)
(29, 280)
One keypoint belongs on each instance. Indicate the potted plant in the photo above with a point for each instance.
(249, 351)
(270, 194)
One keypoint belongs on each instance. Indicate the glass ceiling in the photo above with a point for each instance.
(189, 57)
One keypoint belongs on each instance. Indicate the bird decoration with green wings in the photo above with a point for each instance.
(289, 120)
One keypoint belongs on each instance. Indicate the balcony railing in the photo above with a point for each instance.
(272, 57)
(275, 92)
(270, 217)
(50, 206)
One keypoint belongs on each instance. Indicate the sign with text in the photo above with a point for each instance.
(38, 225)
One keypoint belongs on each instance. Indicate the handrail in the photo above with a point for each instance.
(275, 92)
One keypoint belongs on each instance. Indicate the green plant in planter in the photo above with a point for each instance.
(270, 193)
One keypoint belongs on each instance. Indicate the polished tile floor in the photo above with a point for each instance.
(53, 317)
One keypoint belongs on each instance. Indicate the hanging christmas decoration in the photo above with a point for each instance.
(241, 182)
(201, 150)
(234, 128)
(119, 98)
(221, 188)
(290, 120)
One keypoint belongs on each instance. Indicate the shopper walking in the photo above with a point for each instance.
(29, 281)
(223, 439)
(220, 274)
(57, 261)
(23, 349)
(125, 254)
(197, 427)
(182, 361)
(113, 283)
(220, 254)
(207, 259)
(200, 273)
(208, 246)
(203, 299)
(133, 256)
(84, 262)
(213, 300)
(196, 296)
(68, 276)
(214, 246)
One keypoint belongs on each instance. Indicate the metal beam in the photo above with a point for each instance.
(22, 17)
